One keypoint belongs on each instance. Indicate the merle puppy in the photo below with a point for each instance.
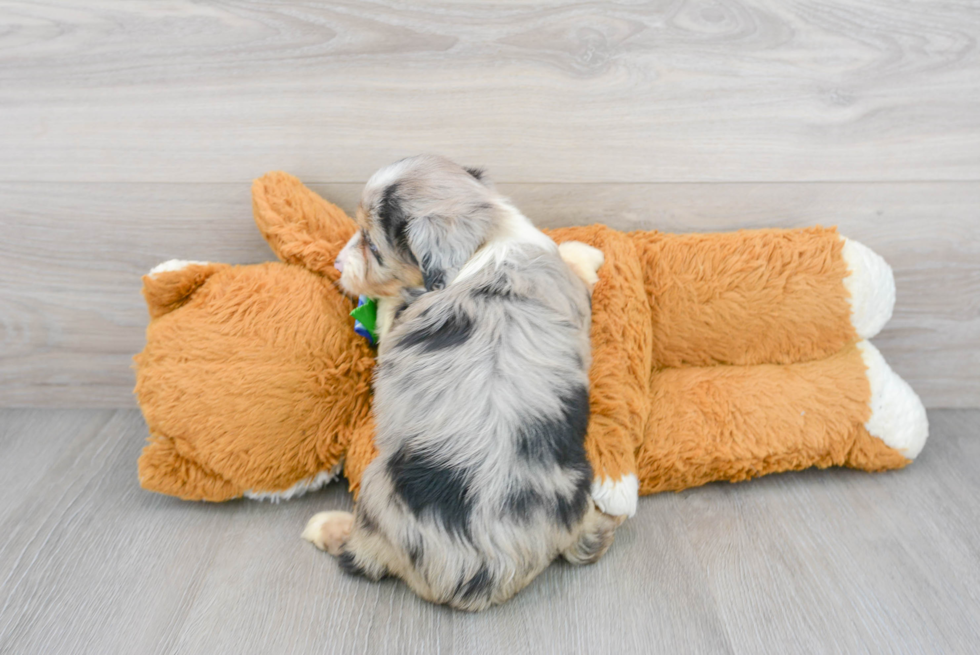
(481, 394)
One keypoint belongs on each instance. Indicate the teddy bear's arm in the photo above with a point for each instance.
(620, 371)
(301, 227)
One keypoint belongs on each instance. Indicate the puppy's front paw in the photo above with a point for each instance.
(329, 531)
(616, 497)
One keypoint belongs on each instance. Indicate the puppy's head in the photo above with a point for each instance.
(420, 220)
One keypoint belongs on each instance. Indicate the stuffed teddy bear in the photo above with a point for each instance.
(715, 357)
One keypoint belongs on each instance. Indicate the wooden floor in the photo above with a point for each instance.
(834, 561)
(129, 134)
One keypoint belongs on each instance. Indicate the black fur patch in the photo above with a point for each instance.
(430, 488)
(569, 510)
(478, 173)
(562, 441)
(347, 563)
(394, 221)
(433, 277)
(367, 522)
(558, 441)
(366, 238)
(499, 288)
(415, 552)
(453, 331)
(521, 503)
(493, 292)
(478, 585)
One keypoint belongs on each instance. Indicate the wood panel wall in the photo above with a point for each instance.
(129, 133)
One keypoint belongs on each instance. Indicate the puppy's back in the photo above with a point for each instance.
(481, 400)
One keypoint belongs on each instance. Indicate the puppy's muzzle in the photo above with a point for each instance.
(343, 255)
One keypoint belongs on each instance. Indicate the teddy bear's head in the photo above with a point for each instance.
(252, 379)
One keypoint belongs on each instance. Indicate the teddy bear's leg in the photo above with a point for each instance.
(739, 422)
(870, 286)
(164, 469)
(169, 285)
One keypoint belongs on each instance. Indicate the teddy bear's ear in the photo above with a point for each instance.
(301, 227)
(169, 285)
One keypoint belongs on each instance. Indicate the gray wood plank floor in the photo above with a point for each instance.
(816, 562)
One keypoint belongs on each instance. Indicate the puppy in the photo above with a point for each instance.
(481, 395)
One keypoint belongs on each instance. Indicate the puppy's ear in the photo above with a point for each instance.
(481, 176)
(443, 244)
(394, 221)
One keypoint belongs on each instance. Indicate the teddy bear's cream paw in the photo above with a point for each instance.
(871, 286)
(583, 259)
(616, 497)
(329, 530)
(897, 415)
(174, 265)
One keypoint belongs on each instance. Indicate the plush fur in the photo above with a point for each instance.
(714, 357)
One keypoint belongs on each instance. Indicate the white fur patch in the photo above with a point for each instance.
(305, 485)
(388, 174)
(173, 265)
(897, 415)
(616, 497)
(871, 286)
(515, 229)
(387, 306)
(355, 268)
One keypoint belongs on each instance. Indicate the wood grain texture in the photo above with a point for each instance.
(129, 132)
(814, 562)
(555, 91)
(71, 260)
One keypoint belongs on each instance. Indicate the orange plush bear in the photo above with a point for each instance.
(715, 357)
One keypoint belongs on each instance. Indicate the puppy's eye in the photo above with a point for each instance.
(370, 244)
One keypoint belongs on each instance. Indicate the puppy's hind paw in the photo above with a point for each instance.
(329, 531)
